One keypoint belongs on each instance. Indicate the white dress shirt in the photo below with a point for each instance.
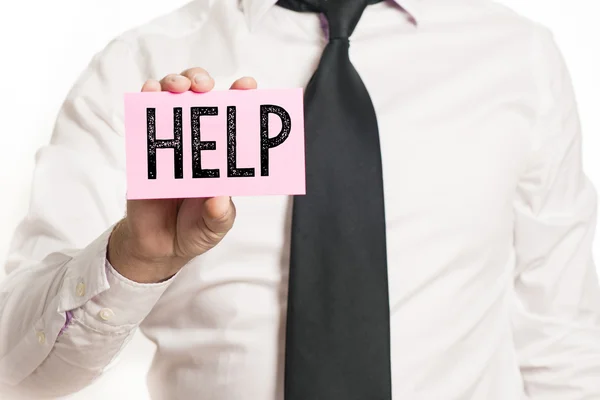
(490, 219)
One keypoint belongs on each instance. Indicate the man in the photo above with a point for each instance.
(486, 289)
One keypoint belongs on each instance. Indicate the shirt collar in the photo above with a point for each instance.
(254, 10)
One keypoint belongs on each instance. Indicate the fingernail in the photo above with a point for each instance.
(175, 78)
(200, 79)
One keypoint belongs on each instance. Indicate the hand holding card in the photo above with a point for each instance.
(185, 146)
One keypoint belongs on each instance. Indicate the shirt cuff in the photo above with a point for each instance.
(125, 303)
(103, 299)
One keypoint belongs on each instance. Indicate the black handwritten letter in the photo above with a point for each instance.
(176, 143)
(232, 170)
(198, 145)
(266, 142)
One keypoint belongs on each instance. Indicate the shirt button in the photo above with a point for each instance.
(106, 314)
(80, 289)
(41, 337)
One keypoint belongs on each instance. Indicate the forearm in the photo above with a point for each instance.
(78, 357)
(106, 308)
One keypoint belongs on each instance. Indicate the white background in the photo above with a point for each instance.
(45, 45)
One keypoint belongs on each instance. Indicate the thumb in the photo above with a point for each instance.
(219, 214)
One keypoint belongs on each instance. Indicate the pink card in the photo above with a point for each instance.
(233, 142)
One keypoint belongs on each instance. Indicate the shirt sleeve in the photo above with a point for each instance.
(557, 302)
(57, 262)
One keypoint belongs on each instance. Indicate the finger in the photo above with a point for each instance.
(244, 83)
(219, 214)
(201, 80)
(151, 85)
(175, 83)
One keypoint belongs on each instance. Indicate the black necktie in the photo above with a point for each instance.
(338, 329)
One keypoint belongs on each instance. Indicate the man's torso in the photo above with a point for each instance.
(455, 99)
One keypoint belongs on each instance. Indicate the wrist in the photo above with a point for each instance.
(126, 257)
